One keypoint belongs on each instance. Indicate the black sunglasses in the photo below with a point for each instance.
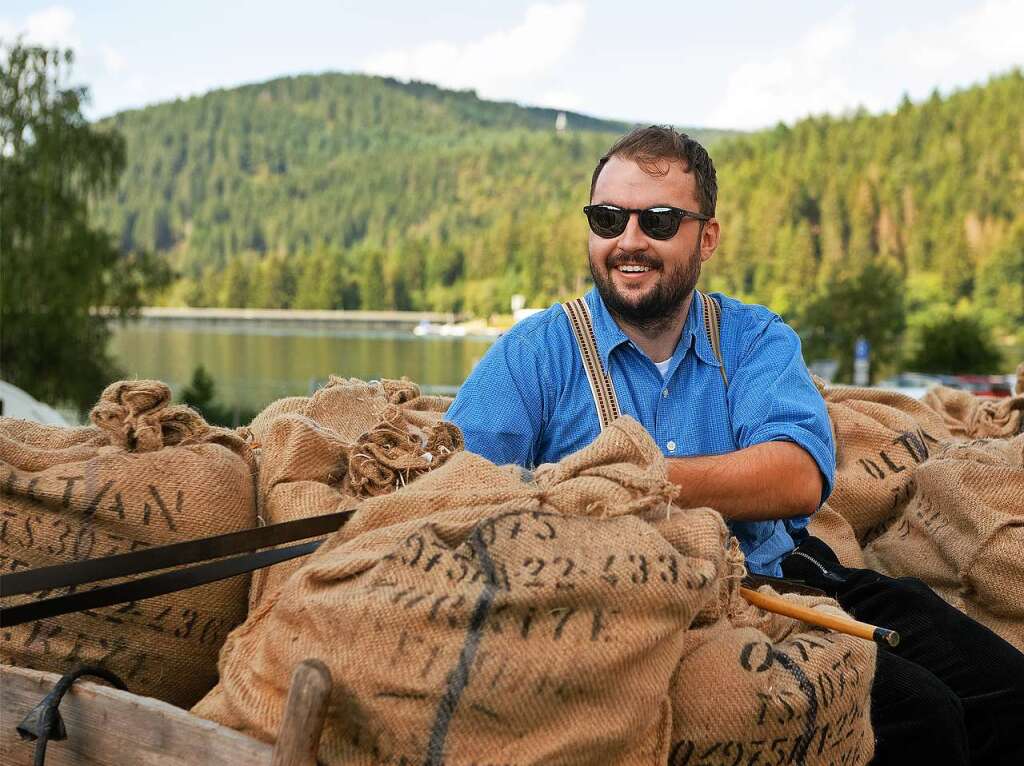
(661, 222)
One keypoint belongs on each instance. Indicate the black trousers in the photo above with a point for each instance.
(952, 692)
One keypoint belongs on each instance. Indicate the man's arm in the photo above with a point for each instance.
(774, 480)
(784, 466)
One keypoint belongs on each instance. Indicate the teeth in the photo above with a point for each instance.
(633, 269)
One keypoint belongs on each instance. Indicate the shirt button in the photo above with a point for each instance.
(671, 446)
(664, 393)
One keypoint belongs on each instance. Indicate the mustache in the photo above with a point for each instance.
(632, 259)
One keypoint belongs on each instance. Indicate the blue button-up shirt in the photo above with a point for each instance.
(528, 401)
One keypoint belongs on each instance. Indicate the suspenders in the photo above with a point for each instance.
(601, 387)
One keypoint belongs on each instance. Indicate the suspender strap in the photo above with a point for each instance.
(605, 401)
(713, 327)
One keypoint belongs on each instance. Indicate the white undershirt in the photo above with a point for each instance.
(663, 367)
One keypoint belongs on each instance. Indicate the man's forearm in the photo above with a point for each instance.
(775, 480)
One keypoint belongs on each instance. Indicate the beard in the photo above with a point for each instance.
(658, 306)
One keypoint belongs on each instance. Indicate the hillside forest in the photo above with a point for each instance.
(353, 192)
(340, 191)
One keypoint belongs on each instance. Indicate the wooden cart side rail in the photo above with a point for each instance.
(106, 726)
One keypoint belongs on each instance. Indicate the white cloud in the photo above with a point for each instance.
(112, 60)
(53, 27)
(532, 48)
(560, 99)
(841, 64)
(795, 82)
(987, 37)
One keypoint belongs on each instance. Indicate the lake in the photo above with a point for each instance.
(251, 368)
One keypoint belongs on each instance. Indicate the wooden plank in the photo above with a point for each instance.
(106, 727)
(308, 699)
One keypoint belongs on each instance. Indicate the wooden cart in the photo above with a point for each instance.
(106, 726)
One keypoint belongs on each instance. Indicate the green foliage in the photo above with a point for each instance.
(57, 269)
(201, 395)
(370, 192)
(866, 304)
(345, 191)
(954, 343)
(932, 189)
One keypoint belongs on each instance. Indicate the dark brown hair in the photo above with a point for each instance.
(646, 146)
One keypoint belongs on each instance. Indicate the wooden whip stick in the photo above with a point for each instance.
(779, 605)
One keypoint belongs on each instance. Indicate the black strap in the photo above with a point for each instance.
(176, 554)
(160, 558)
(155, 585)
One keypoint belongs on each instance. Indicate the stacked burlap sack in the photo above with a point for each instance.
(483, 614)
(349, 441)
(932, 489)
(148, 473)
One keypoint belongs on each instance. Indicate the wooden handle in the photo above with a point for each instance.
(304, 714)
(779, 605)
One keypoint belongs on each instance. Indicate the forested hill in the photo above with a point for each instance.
(361, 192)
(354, 191)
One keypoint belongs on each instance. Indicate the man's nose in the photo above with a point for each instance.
(633, 238)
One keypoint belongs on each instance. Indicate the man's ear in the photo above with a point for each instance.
(709, 239)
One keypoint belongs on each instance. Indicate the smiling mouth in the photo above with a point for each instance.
(631, 269)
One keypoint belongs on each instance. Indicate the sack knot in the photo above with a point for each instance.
(136, 415)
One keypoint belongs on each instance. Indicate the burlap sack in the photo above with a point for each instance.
(881, 437)
(963, 532)
(352, 440)
(754, 687)
(830, 525)
(474, 617)
(350, 407)
(52, 437)
(151, 474)
(309, 470)
(974, 417)
(485, 615)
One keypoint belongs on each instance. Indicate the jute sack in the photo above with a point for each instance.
(963, 532)
(150, 474)
(974, 417)
(352, 440)
(52, 437)
(310, 470)
(474, 617)
(755, 687)
(471, 617)
(881, 437)
(350, 407)
(832, 527)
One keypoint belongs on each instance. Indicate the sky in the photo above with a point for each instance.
(727, 64)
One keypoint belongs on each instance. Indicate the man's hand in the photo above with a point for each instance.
(775, 480)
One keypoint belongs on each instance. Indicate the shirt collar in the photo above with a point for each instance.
(610, 336)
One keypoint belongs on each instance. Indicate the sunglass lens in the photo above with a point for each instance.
(607, 221)
(659, 223)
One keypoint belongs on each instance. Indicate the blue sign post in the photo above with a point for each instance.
(861, 362)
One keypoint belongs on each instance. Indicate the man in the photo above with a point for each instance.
(752, 441)
(727, 447)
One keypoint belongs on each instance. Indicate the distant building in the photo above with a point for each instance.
(560, 122)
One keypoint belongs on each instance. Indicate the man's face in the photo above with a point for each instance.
(670, 268)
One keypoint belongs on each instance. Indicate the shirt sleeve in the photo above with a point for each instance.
(772, 398)
(500, 407)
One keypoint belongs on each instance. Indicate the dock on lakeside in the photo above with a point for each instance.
(294, 319)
